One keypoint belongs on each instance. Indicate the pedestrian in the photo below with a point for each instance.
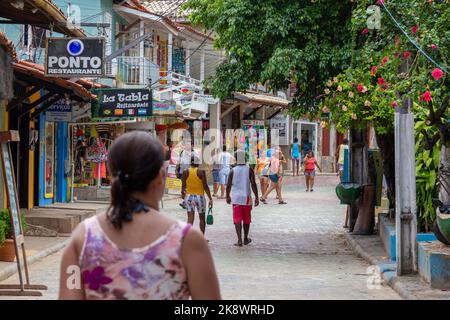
(226, 160)
(341, 156)
(274, 177)
(184, 163)
(216, 171)
(262, 170)
(281, 180)
(241, 183)
(193, 189)
(132, 251)
(310, 170)
(295, 155)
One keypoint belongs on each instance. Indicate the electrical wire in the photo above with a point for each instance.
(411, 40)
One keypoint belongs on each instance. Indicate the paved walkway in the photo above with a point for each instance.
(298, 250)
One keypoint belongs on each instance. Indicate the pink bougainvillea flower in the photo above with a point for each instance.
(394, 104)
(396, 54)
(373, 70)
(437, 74)
(414, 29)
(433, 46)
(406, 55)
(365, 31)
(344, 108)
(360, 87)
(380, 2)
(380, 81)
(325, 109)
(354, 116)
(385, 60)
(426, 96)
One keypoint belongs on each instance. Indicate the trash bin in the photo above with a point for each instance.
(348, 192)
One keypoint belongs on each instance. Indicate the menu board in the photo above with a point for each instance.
(11, 188)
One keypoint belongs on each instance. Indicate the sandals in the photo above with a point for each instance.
(263, 200)
(237, 244)
(282, 202)
(248, 241)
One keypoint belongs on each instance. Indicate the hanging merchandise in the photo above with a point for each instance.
(94, 133)
(97, 152)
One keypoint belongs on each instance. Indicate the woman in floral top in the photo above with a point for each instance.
(132, 251)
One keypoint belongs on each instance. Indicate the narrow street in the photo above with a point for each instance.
(298, 250)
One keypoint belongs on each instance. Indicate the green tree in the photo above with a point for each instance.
(276, 42)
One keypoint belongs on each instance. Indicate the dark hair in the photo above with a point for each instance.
(195, 160)
(135, 159)
(295, 140)
(310, 151)
(345, 141)
(224, 148)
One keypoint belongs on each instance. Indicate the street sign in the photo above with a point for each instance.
(164, 107)
(205, 98)
(60, 111)
(73, 57)
(121, 103)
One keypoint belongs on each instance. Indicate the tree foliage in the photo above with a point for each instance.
(276, 42)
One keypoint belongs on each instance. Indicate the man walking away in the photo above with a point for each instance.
(240, 180)
(225, 166)
(216, 171)
(194, 186)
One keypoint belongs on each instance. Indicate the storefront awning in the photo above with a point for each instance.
(261, 99)
(41, 13)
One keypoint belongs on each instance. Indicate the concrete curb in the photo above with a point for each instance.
(12, 269)
(387, 274)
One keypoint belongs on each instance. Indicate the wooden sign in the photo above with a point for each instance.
(21, 289)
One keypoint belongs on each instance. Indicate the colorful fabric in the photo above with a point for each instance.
(242, 214)
(194, 185)
(152, 272)
(195, 202)
(295, 151)
(310, 164)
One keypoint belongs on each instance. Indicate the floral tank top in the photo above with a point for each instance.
(153, 272)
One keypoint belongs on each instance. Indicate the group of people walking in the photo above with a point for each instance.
(132, 251)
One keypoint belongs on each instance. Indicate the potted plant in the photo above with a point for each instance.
(7, 252)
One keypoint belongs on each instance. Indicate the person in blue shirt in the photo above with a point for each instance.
(295, 155)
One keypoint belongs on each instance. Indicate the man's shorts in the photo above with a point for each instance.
(216, 176)
(223, 177)
(310, 173)
(195, 202)
(242, 214)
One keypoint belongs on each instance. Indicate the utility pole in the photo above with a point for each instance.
(405, 181)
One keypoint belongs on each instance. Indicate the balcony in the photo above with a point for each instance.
(135, 71)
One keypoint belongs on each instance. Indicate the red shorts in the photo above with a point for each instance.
(242, 213)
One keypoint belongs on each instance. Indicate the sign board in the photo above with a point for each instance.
(164, 107)
(252, 123)
(121, 103)
(173, 184)
(74, 57)
(281, 122)
(205, 98)
(14, 214)
(60, 111)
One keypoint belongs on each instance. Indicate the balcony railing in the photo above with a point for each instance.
(136, 70)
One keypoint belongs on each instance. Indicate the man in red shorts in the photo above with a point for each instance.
(240, 180)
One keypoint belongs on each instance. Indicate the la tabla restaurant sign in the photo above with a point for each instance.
(74, 57)
(122, 103)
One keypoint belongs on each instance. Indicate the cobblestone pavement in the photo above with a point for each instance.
(298, 250)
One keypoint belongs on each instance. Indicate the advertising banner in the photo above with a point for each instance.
(60, 111)
(123, 103)
(164, 107)
(73, 57)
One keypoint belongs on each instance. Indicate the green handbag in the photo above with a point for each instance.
(209, 217)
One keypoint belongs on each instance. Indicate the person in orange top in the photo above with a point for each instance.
(310, 170)
(194, 186)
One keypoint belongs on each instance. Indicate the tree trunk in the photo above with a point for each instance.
(386, 143)
(444, 174)
(365, 222)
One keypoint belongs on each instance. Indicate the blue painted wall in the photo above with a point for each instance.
(62, 155)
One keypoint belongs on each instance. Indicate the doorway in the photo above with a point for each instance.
(306, 132)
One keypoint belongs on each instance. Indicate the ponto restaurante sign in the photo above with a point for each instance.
(72, 57)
